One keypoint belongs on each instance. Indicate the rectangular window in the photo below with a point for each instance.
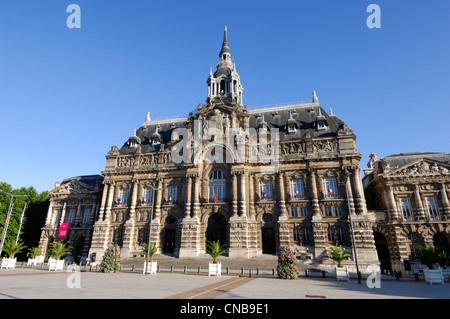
(294, 212)
(330, 234)
(147, 196)
(123, 197)
(337, 211)
(142, 216)
(71, 218)
(296, 234)
(340, 234)
(328, 211)
(57, 218)
(266, 190)
(330, 187)
(303, 212)
(305, 235)
(405, 208)
(297, 191)
(86, 217)
(172, 195)
(431, 207)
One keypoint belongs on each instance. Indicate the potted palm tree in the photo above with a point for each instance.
(339, 254)
(214, 249)
(428, 257)
(56, 251)
(33, 253)
(11, 249)
(152, 252)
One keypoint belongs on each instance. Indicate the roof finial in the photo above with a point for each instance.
(315, 99)
(225, 47)
(147, 119)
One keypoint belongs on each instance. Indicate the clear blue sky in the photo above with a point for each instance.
(68, 95)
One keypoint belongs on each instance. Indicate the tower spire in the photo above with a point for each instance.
(225, 46)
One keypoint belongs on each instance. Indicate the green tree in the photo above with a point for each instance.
(214, 249)
(338, 254)
(58, 250)
(11, 248)
(152, 251)
(34, 217)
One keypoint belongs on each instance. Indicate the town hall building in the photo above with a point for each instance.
(253, 179)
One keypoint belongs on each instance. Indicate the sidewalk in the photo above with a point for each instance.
(27, 283)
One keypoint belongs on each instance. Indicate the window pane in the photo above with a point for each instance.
(330, 187)
(172, 196)
(266, 190)
(297, 189)
(217, 187)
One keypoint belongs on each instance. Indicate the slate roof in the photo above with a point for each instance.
(305, 116)
(402, 159)
(94, 181)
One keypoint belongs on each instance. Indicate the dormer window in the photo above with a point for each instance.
(292, 128)
(321, 126)
(156, 141)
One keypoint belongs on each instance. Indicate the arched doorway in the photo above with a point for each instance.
(268, 235)
(217, 228)
(441, 243)
(169, 235)
(77, 250)
(382, 251)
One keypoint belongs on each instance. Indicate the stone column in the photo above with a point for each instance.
(282, 194)
(129, 231)
(350, 202)
(251, 197)
(197, 180)
(101, 213)
(243, 204)
(234, 201)
(134, 200)
(445, 202)
(314, 193)
(359, 193)
(392, 205)
(109, 201)
(419, 206)
(187, 213)
(63, 214)
(283, 224)
(48, 220)
(77, 219)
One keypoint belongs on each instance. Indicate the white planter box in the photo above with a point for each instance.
(433, 276)
(32, 262)
(56, 265)
(9, 263)
(342, 274)
(215, 269)
(151, 268)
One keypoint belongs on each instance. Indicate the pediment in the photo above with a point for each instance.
(419, 167)
(72, 187)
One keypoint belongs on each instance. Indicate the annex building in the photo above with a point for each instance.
(253, 179)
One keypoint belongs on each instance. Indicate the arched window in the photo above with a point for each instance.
(217, 187)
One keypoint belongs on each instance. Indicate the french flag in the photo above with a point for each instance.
(215, 198)
(296, 193)
(143, 200)
(263, 195)
(331, 192)
(169, 199)
(118, 200)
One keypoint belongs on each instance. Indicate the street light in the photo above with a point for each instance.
(8, 216)
(347, 176)
(150, 227)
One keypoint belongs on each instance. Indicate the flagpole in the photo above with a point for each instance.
(5, 228)
(21, 219)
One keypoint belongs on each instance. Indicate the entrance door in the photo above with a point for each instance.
(169, 241)
(217, 229)
(382, 251)
(268, 240)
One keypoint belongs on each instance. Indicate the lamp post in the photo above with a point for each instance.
(150, 228)
(8, 216)
(347, 176)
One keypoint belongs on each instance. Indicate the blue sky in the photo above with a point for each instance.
(68, 95)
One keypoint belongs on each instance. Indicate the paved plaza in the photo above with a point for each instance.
(39, 283)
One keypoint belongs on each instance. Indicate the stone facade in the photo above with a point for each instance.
(253, 179)
(75, 201)
(409, 194)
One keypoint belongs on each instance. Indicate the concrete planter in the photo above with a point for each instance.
(433, 276)
(32, 262)
(215, 269)
(9, 263)
(342, 273)
(56, 265)
(151, 268)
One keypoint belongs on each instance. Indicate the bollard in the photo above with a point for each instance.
(171, 268)
(323, 273)
(185, 269)
(228, 270)
(306, 273)
(416, 276)
(199, 269)
(257, 271)
(250, 273)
